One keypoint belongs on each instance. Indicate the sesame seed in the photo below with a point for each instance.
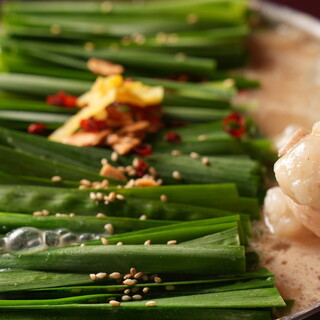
(127, 276)
(104, 241)
(129, 282)
(125, 298)
(202, 137)
(157, 279)
(152, 171)
(112, 196)
(115, 275)
(145, 277)
(194, 155)
(37, 213)
(56, 179)
(229, 83)
(92, 276)
(132, 172)
(143, 217)
(192, 18)
(127, 291)
(99, 196)
(138, 275)
(170, 288)
(72, 214)
(135, 162)
(135, 289)
(164, 198)
(82, 187)
(101, 215)
(137, 297)
(105, 183)
(205, 161)
(176, 153)
(159, 182)
(109, 228)
(148, 242)
(82, 245)
(92, 196)
(171, 242)
(104, 161)
(133, 271)
(145, 289)
(119, 243)
(101, 275)
(120, 197)
(45, 212)
(151, 303)
(85, 182)
(176, 175)
(114, 156)
(114, 303)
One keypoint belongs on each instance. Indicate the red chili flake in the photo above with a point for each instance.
(62, 99)
(92, 125)
(235, 125)
(173, 137)
(128, 80)
(141, 168)
(36, 128)
(143, 150)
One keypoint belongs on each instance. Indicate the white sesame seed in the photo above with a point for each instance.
(119, 243)
(127, 276)
(114, 156)
(127, 291)
(145, 289)
(105, 183)
(159, 182)
(101, 215)
(137, 297)
(176, 175)
(114, 303)
(135, 289)
(109, 228)
(120, 196)
(138, 275)
(171, 242)
(56, 178)
(112, 196)
(202, 137)
(164, 198)
(145, 277)
(125, 298)
(92, 276)
(82, 245)
(106, 6)
(37, 213)
(176, 153)
(194, 155)
(101, 275)
(99, 196)
(152, 171)
(170, 288)
(133, 271)
(85, 182)
(143, 217)
(72, 214)
(115, 275)
(92, 196)
(104, 161)
(205, 161)
(132, 172)
(157, 279)
(104, 241)
(148, 242)
(151, 303)
(229, 83)
(135, 162)
(129, 282)
(82, 187)
(45, 212)
(106, 202)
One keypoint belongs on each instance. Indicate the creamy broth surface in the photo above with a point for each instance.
(287, 63)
